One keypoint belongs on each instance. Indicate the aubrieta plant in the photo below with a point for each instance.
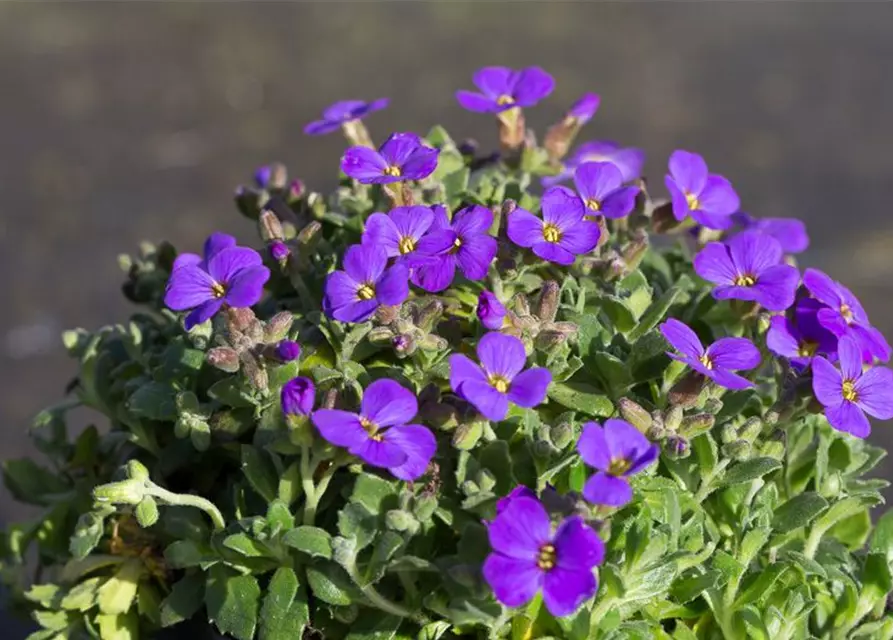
(518, 394)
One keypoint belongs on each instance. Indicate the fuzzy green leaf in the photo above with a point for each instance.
(798, 512)
(313, 541)
(185, 598)
(232, 602)
(750, 470)
(284, 613)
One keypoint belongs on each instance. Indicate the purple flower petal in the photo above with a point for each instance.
(561, 207)
(489, 402)
(849, 418)
(581, 237)
(790, 232)
(521, 529)
(624, 441)
(475, 256)
(783, 338)
(412, 222)
(479, 103)
(435, 274)
(514, 582)
(717, 221)
(728, 379)
(473, 220)
(532, 85)
(365, 264)
(341, 428)
(227, 262)
(495, 81)
(850, 358)
(202, 313)
(607, 490)
(524, 228)
(518, 492)
(689, 171)
(340, 289)
(366, 165)
(873, 343)
(577, 546)
(874, 391)
(382, 231)
(714, 264)
(776, 287)
(490, 311)
(463, 369)
(681, 210)
(298, 396)
(344, 110)
(565, 590)
(753, 252)
(552, 252)
(593, 446)
(734, 353)
(247, 287)
(393, 287)
(620, 203)
(595, 180)
(682, 338)
(216, 243)
(321, 127)
(380, 453)
(188, 287)
(387, 403)
(419, 445)
(186, 260)
(501, 355)
(826, 382)
(718, 197)
(399, 147)
(421, 163)
(584, 108)
(528, 389)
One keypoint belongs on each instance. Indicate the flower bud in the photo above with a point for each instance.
(309, 233)
(386, 314)
(693, 426)
(248, 202)
(278, 326)
(772, 449)
(508, 206)
(656, 432)
(633, 253)
(686, 391)
(279, 251)
(296, 190)
(728, 434)
(187, 402)
(737, 450)
(831, 486)
(270, 226)
(673, 418)
(126, 492)
(404, 344)
(635, 414)
(546, 307)
(491, 312)
(548, 340)
(146, 512)
(223, 358)
(431, 342)
(380, 336)
(427, 315)
(663, 220)
(424, 507)
(467, 435)
(751, 429)
(271, 177)
(400, 520)
(298, 396)
(712, 406)
(287, 351)
(136, 470)
(561, 435)
(677, 447)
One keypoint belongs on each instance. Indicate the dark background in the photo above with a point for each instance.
(128, 121)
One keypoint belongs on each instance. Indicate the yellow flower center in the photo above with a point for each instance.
(693, 202)
(504, 100)
(849, 391)
(593, 205)
(745, 280)
(706, 361)
(619, 466)
(371, 428)
(807, 349)
(393, 171)
(218, 290)
(846, 312)
(498, 382)
(551, 233)
(366, 291)
(546, 558)
(406, 245)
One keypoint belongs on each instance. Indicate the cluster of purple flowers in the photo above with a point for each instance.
(819, 327)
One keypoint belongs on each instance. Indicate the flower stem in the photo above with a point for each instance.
(187, 500)
(313, 491)
(707, 487)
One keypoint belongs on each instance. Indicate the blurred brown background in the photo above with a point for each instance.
(124, 121)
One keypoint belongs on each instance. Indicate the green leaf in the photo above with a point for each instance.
(187, 553)
(688, 588)
(155, 401)
(326, 586)
(284, 613)
(882, 538)
(232, 391)
(31, 483)
(580, 396)
(119, 626)
(655, 313)
(119, 591)
(374, 493)
(43, 594)
(750, 470)
(357, 522)
(313, 541)
(763, 582)
(374, 628)
(82, 596)
(244, 545)
(279, 518)
(844, 509)
(798, 512)
(259, 472)
(185, 598)
(87, 534)
(232, 602)
(751, 544)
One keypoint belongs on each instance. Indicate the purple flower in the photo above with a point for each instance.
(343, 112)
(528, 557)
(500, 378)
(398, 232)
(628, 160)
(491, 312)
(844, 315)
(600, 185)
(502, 88)
(583, 109)
(297, 397)
(709, 199)
(562, 234)
(379, 433)
(789, 232)
(401, 157)
(228, 275)
(849, 393)
(288, 350)
(749, 267)
(801, 337)
(262, 176)
(518, 492)
(354, 294)
(279, 251)
(465, 242)
(717, 361)
(618, 451)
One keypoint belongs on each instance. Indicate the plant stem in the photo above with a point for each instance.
(187, 500)
(313, 492)
(379, 601)
(707, 487)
